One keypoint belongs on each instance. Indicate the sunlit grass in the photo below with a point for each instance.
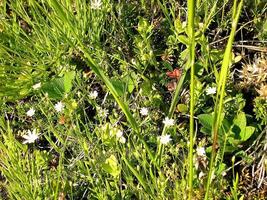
(124, 100)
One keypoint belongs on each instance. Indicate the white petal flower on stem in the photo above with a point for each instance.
(119, 133)
(168, 122)
(59, 106)
(201, 151)
(36, 86)
(165, 139)
(201, 175)
(96, 4)
(30, 112)
(211, 90)
(30, 137)
(102, 112)
(144, 111)
(93, 95)
(122, 140)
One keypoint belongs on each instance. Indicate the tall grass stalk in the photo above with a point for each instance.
(191, 35)
(191, 62)
(221, 91)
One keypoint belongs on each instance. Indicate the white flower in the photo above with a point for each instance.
(224, 173)
(164, 139)
(144, 111)
(103, 113)
(168, 122)
(30, 112)
(184, 24)
(59, 106)
(201, 175)
(93, 95)
(31, 137)
(201, 151)
(119, 134)
(211, 90)
(36, 86)
(122, 140)
(96, 4)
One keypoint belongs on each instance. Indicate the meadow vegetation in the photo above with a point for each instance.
(133, 99)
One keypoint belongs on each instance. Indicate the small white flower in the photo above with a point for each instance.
(224, 173)
(211, 90)
(103, 113)
(201, 151)
(36, 86)
(30, 112)
(168, 122)
(93, 95)
(122, 140)
(119, 133)
(59, 106)
(96, 4)
(184, 24)
(31, 137)
(165, 139)
(201, 175)
(144, 111)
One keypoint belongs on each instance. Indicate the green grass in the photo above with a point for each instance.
(107, 62)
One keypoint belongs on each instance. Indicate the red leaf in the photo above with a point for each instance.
(176, 73)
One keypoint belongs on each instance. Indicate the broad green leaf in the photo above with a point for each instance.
(241, 121)
(111, 166)
(55, 88)
(130, 83)
(146, 88)
(119, 86)
(206, 121)
(182, 108)
(247, 133)
(59, 86)
(205, 130)
(68, 78)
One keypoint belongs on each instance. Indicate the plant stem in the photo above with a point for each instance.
(221, 91)
(191, 36)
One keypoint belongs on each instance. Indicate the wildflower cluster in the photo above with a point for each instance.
(32, 136)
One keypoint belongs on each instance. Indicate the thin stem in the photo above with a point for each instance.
(191, 35)
(221, 92)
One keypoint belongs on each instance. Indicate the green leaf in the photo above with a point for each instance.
(55, 88)
(182, 108)
(146, 88)
(225, 127)
(245, 135)
(111, 166)
(119, 86)
(130, 82)
(183, 39)
(206, 131)
(241, 121)
(206, 121)
(59, 86)
(68, 78)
